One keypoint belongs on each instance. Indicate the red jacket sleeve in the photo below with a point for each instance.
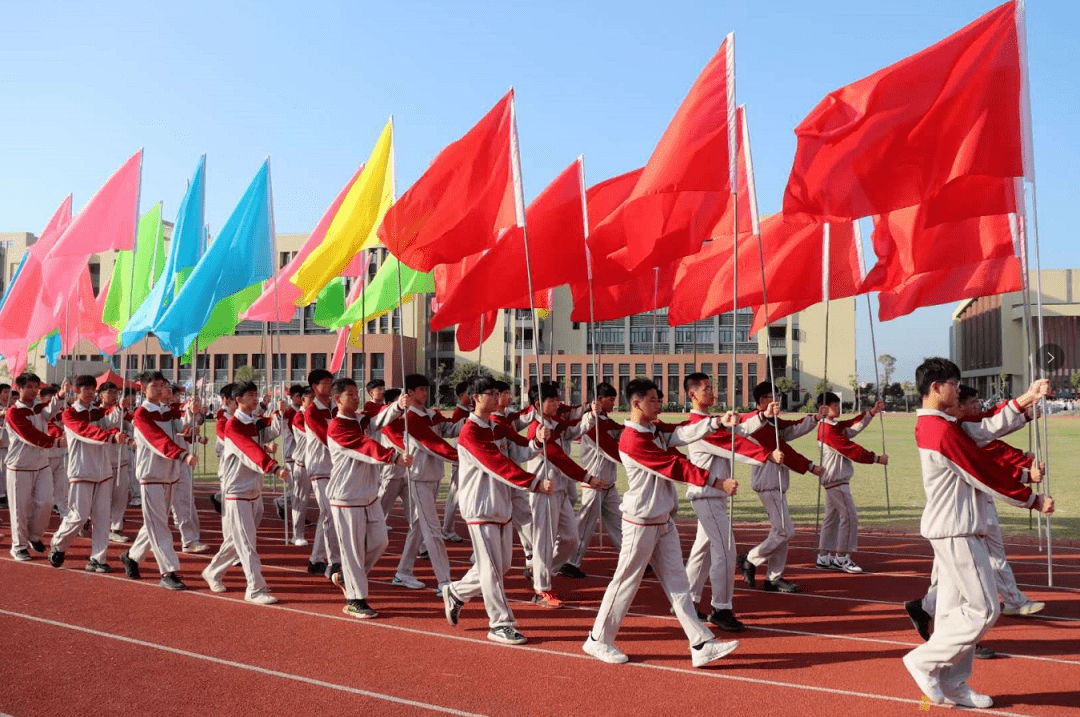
(558, 457)
(156, 436)
(19, 421)
(79, 423)
(316, 422)
(420, 429)
(959, 448)
(297, 421)
(669, 463)
(245, 437)
(506, 430)
(835, 437)
(348, 434)
(1009, 455)
(481, 445)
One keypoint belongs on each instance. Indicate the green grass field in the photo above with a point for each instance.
(906, 496)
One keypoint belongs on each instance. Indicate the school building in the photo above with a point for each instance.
(401, 341)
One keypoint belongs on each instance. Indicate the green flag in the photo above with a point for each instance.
(125, 294)
(330, 303)
(224, 317)
(381, 295)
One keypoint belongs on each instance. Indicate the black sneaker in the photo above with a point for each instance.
(280, 510)
(648, 569)
(726, 620)
(749, 570)
(424, 556)
(56, 558)
(919, 618)
(572, 571)
(96, 566)
(359, 609)
(130, 566)
(779, 586)
(22, 555)
(527, 572)
(984, 653)
(169, 581)
(38, 546)
(506, 635)
(335, 568)
(216, 502)
(3, 501)
(451, 604)
(318, 568)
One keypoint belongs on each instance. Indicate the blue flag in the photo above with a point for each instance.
(241, 255)
(52, 348)
(185, 248)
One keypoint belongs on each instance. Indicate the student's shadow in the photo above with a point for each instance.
(1062, 699)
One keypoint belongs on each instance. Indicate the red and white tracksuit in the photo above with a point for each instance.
(604, 503)
(29, 477)
(840, 527)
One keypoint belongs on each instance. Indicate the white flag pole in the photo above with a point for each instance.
(826, 237)
(873, 348)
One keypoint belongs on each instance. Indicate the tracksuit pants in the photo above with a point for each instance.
(774, 549)
(362, 532)
(493, 544)
(30, 500)
(840, 528)
(424, 528)
(325, 548)
(87, 500)
(554, 535)
(598, 505)
(239, 522)
(154, 535)
(710, 555)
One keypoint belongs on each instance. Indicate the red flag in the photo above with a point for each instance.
(793, 270)
(904, 249)
(920, 126)
(461, 202)
(686, 184)
(497, 279)
(647, 289)
(278, 303)
(108, 219)
(468, 332)
(964, 281)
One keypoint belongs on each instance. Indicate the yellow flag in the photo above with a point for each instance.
(355, 226)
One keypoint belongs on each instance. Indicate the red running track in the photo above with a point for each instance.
(75, 643)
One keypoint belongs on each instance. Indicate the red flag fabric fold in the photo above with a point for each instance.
(686, 184)
(921, 126)
(468, 332)
(463, 200)
(497, 279)
(997, 275)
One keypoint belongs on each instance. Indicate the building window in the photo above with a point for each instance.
(639, 371)
(298, 367)
(149, 362)
(378, 366)
(672, 388)
(609, 373)
(166, 362)
(239, 361)
(358, 368)
(318, 361)
(706, 368)
(132, 363)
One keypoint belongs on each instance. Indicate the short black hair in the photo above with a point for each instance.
(827, 399)
(967, 392)
(693, 380)
(296, 390)
(308, 392)
(374, 384)
(605, 390)
(239, 389)
(935, 370)
(25, 377)
(640, 387)
(5, 385)
(392, 394)
(341, 384)
(416, 380)
(761, 390)
(502, 385)
(49, 389)
(85, 381)
(483, 384)
(227, 390)
(148, 377)
(107, 386)
(319, 374)
(546, 389)
(463, 387)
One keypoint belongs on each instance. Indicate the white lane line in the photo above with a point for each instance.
(242, 666)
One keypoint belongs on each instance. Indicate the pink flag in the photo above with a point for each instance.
(280, 304)
(343, 334)
(85, 319)
(108, 219)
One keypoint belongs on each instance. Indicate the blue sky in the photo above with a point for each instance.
(82, 86)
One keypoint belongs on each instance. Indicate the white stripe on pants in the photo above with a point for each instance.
(325, 547)
(30, 500)
(596, 505)
(450, 508)
(493, 545)
(774, 549)
(659, 546)
(88, 500)
(120, 495)
(154, 535)
(967, 608)
(710, 554)
(521, 519)
(840, 528)
(362, 531)
(58, 465)
(424, 528)
(183, 507)
(238, 524)
(301, 499)
(554, 535)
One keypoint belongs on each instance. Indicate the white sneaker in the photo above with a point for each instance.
(1029, 608)
(196, 548)
(825, 562)
(712, 651)
(263, 597)
(847, 565)
(215, 585)
(928, 683)
(117, 537)
(408, 581)
(967, 697)
(603, 651)
(300, 542)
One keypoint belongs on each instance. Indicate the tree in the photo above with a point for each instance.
(1074, 381)
(245, 373)
(853, 381)
(783, 385)
(1003, 382)
(821, 387)
(888, 364)
(909, 390)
